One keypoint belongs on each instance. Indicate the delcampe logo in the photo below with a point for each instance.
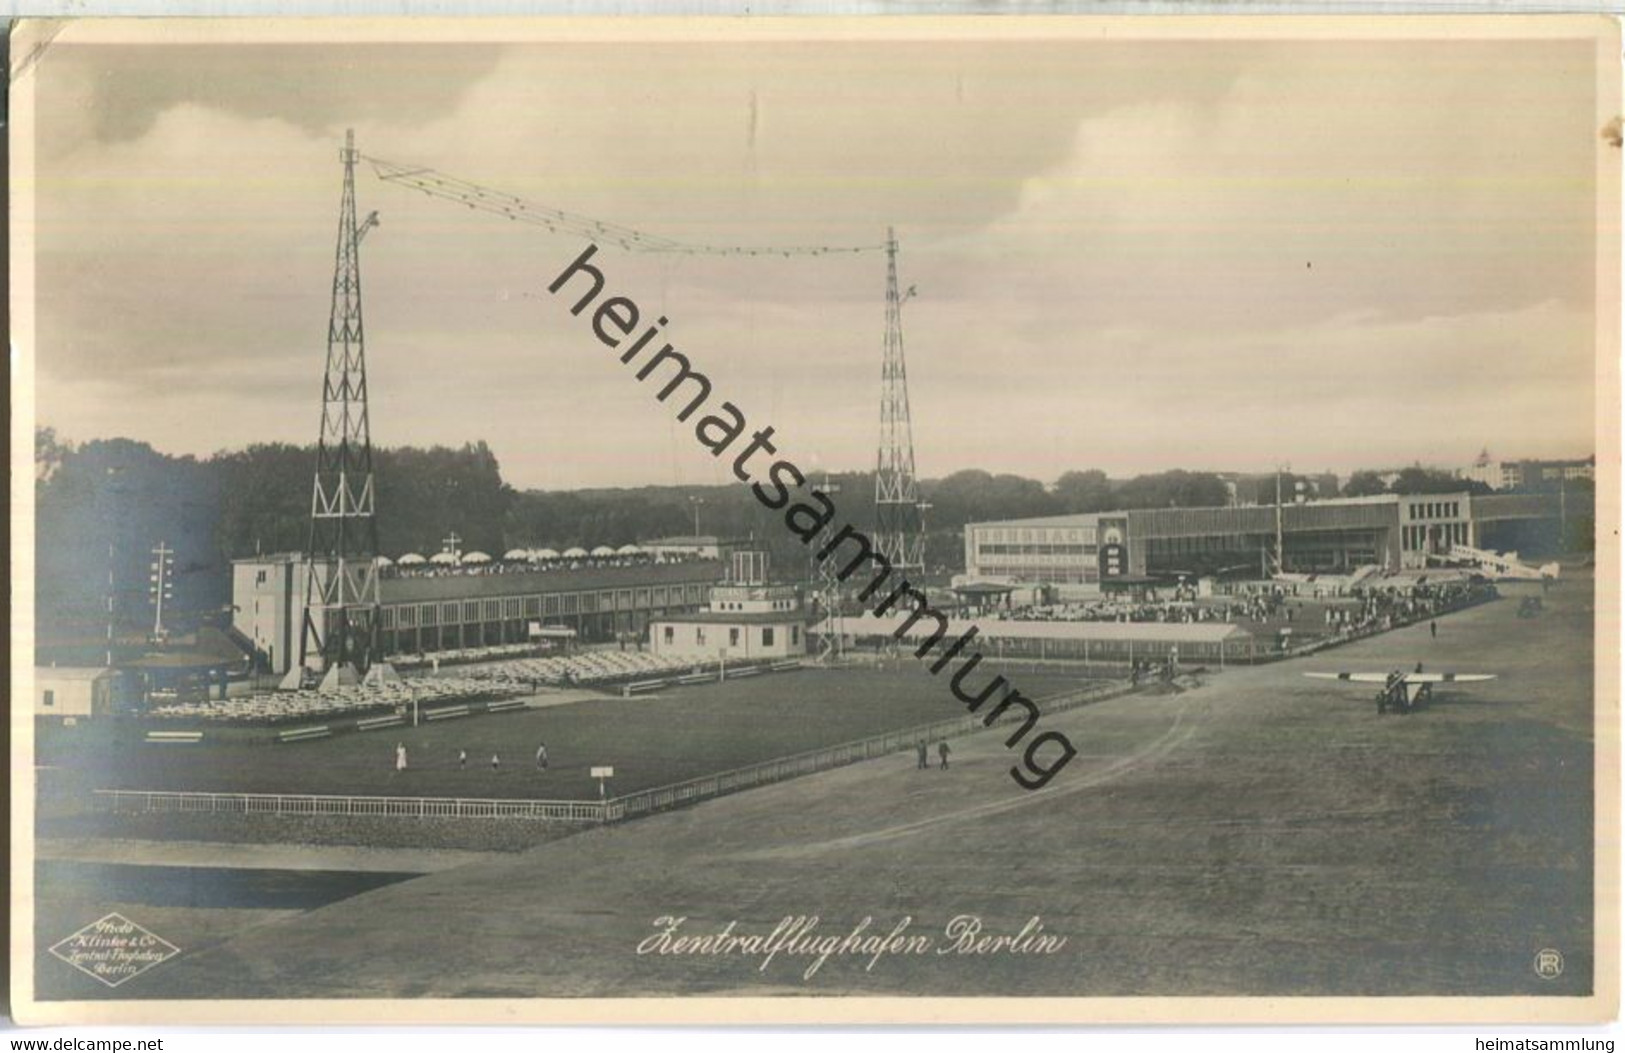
(114, 949)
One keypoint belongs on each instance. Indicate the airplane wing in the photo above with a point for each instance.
(1410, 678)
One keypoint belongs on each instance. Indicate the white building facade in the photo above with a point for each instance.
(73, 692)
(741, 623)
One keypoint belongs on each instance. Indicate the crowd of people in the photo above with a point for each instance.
(1170, 611)
(1362, 608)
(530, 565)
(1381, 608)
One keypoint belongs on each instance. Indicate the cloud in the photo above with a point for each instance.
(123, 91)
(1409, 184)
(1127, 256)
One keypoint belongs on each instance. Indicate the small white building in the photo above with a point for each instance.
(742, 622)
(73, 691)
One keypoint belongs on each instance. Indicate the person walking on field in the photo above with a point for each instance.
(942, 753)
(400, 756)
(541, 757)
(923, 758)
(496, 762)
(1433, 627)
(462, 760)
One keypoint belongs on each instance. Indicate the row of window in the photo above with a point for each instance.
(1415, 538)
(769, 635)
(1036, 550)
(1160, 546)
(1249, 544)
(412, 615)
(1056, 535)
(1435, 509)
(736, 605)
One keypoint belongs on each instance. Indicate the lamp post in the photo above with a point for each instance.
(923, 507)
(696, 502)
(112, 537)
(161, 585)
(1280, 530)
(829, 586)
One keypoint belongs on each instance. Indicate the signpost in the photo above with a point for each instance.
(601, 774)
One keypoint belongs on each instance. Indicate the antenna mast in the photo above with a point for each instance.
(339, 637)
(899, 526)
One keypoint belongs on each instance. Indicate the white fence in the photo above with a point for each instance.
(323, 804)
(642, 802)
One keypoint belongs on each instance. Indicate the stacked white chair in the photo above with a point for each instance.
(352, 699)
(589, 668)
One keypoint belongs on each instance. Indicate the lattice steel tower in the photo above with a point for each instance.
(899, 516)
(339, 636)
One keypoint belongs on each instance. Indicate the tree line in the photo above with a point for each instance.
(103, 504)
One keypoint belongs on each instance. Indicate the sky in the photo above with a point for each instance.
(1128, 255)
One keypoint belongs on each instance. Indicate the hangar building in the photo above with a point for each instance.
(473, 605)
(1390, 531)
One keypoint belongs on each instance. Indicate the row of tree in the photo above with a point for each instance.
(104, 504)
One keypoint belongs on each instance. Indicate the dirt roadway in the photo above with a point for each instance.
(1263, 834)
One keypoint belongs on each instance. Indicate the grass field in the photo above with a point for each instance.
(650, 740)
(1261, 833)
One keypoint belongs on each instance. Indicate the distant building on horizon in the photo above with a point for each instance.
(1528, 473)
(1257, 488)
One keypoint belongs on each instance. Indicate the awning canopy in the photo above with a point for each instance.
(867, 625)
(984, 588)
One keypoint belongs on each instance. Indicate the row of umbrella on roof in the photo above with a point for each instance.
(514, 555)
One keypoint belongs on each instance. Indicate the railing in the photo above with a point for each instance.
(642, 802)
(329, 804)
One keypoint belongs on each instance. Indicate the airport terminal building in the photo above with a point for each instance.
(1391, 531)
(452, 610)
